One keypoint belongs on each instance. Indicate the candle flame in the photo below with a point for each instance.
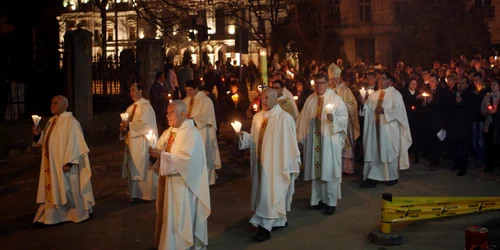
(425, 94)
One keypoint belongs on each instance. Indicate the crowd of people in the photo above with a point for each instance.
(321, 123)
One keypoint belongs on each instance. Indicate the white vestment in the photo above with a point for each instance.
(273, 174)
(333, 134)
(289, 95)
(394, 133)
(143, 181)
(64, 196)
(183, 202)
(203, 114)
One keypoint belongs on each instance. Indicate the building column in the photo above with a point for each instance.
(78, 74)
(149, 61)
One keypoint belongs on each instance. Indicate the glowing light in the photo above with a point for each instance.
(231, 29)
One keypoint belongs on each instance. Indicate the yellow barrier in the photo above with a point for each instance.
(398, 209)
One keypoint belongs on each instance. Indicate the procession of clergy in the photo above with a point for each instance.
(178, 171)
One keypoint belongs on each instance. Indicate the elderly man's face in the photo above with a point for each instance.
(58, 106)
(174, 117)
(320, 85)
(268, 100)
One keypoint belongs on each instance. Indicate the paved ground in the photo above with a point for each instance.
(119, 224)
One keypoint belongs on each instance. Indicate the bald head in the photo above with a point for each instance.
(59, 104)
(268, 98)
(179, 106)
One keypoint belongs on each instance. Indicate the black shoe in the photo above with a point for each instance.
(320, 206)
(416, 160)
(368, 184)
(453, 168)
(391, 183)
(329, 210)
(461, 173)
(278, 228)
(262, 235)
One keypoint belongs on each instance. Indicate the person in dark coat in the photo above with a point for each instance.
(460, 125)
(158, 96)
(449, 94)
(413, 106)
(489, 108)
(432, 120)
(302, 90)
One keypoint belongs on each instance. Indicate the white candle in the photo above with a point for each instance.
(370, 91)
(296, 98)
(425, 95)
(255, 107)
(329, 108)
(362, 92)
(259, 88)
(312, 83)
(124, 117)
(151, 139)
(236, 126)
(36, 119)
(228, 92)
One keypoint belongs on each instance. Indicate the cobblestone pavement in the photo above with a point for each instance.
(120, 224)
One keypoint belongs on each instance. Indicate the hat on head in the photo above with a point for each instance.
(334, 71)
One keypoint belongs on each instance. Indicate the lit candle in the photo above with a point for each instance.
(36, 119)
(169, 95)
(235, 98)
(425, 95)
(124, 117)
(490, 107)
(362, 92)
(329, 108)
(201, 78)
(296, 98)
(312, 83)
(412, 107)
(370, 91)
(151, 139)
(255, 107)
(169, 101)
(236, 126)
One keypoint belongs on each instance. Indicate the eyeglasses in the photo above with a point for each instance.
(276, 87)
(322, 82)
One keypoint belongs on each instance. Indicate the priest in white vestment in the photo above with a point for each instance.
(64, 187)
(142, 180)
(275, 161)
(386, 137)
(201, 110)
(322, 129)
(183, 202)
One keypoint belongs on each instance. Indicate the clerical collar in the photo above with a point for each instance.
(412, 92)
(186, 123)
(160, 83)
(138, 100)
(271, 112)
(426, 82)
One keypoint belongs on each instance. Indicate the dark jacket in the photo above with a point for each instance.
(156, 93)
(462, 115)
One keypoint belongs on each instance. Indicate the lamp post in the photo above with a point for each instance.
(263, 66)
